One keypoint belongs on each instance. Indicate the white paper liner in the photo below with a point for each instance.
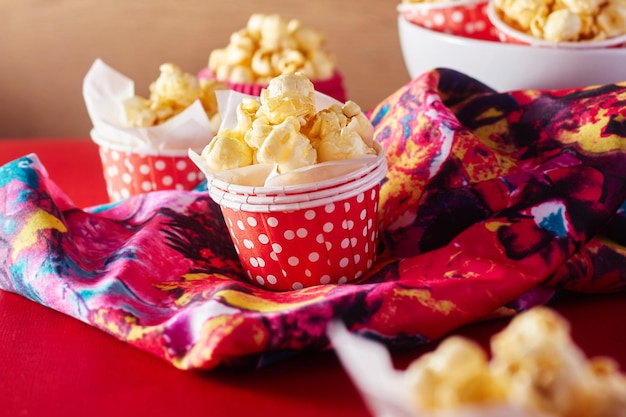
(286, 203)
(104, 92)
(264, 175)
(385, 389)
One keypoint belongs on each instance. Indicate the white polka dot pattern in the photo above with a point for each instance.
(128, 173)
(469, 20)
(333, 243)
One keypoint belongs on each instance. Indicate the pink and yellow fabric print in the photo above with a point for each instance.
(493, 203)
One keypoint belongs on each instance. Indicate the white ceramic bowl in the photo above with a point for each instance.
(507, 67)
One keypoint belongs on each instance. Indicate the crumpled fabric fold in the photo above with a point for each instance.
(493, 203)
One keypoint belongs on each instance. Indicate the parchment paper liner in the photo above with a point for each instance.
(385, 389)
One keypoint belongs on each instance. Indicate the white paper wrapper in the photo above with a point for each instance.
(104, 91)
(264, 175)
(385, 390)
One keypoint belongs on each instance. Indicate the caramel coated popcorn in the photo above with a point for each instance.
(171, 93)
(565, 20)
(456, 374)
(269, 46)
(283, 128)
(535, 365)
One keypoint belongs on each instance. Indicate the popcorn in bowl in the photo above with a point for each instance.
(297, 176)
(270, 45)
(573, 23)
(535, 370)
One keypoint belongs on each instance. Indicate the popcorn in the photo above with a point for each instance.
(565, 20)
(612, 19)
(288, 96)
(561, 26)
(341, 133)
(544, 370)
(583, 6)
(227, 152)
(171, 93)
(535, 365)
(269, 46)
(457, 373)
(283, 128)
(286, 147)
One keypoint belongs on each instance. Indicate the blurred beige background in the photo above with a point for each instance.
(47, 46)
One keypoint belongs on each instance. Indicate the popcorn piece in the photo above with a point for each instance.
(341, 133)
(139, 113)
(269, 46)
(562, 26)
(288, 61)
(521, 13)
(359, 122)
(287, 147)
(171, 93)
(612, 19)
(255, 25)
(273, 35)
(174, 87)
(246, 113)
(288, 95)
(226, 152)
(565, 20)
(260, 129)
(320, 65)
(310, 40)
(537, 361)
(456, 374)
(242, 48)
(589, 7)
(262, 63)
(283, 128)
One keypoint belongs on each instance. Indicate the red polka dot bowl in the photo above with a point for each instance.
(129, 172)
(466, 18)
(291, 241)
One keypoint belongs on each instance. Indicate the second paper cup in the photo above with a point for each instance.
(310, 242)
(129, 172)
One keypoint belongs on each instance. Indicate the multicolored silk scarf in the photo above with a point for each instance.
(493, 202)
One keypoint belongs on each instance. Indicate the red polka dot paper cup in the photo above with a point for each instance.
(333, 86)
(289, 242)
(130, 172)
(467, 18)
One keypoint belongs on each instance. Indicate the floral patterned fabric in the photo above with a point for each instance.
(492, 204)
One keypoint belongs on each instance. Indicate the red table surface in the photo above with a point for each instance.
(54, 365)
